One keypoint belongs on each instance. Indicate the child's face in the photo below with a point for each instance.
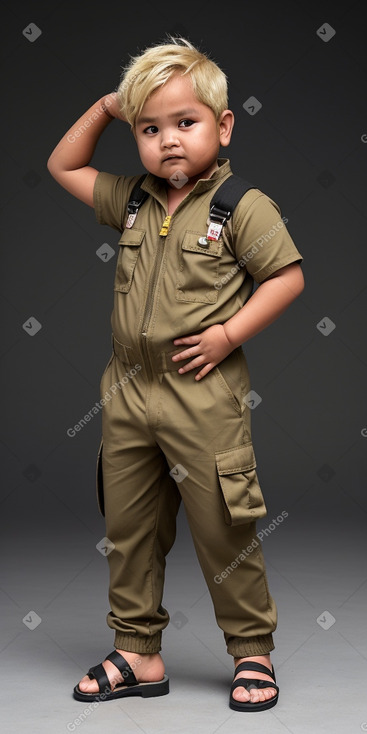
(174, 123)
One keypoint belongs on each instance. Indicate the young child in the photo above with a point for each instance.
(175, 424)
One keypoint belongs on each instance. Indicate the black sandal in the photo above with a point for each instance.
(249, 683)
(128, 687)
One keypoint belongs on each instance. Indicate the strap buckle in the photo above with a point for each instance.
(132, 211)
(133, 206)
(217, 218)
(219, 215)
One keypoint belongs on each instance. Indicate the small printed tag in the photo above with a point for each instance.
(130, 220)
(214, 231)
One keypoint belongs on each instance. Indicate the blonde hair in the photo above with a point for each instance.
(158, 63)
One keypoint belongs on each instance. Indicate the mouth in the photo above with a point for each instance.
(172, 158)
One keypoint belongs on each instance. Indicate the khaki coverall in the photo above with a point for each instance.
(156, 421)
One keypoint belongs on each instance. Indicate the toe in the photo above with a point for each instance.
(262, 694)
(269, 692)
(90, 685)
(240, 694)
(255, 694)
(86, 685)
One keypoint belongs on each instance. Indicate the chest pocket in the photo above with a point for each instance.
(129, 251)
(198, 269)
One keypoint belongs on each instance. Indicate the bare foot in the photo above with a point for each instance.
(255, 695)
(146, 668)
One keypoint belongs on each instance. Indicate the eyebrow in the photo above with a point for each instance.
(180, 113)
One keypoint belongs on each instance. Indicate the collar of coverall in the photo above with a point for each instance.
(157, 186)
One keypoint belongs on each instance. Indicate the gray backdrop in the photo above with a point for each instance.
(305, 147)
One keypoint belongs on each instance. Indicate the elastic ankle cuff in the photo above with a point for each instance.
(136, 643)
(241, 647)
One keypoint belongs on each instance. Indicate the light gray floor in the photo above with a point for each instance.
(321, 672)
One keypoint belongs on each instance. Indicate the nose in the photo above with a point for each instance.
(169, 138)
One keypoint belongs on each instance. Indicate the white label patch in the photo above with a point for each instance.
(214, 231)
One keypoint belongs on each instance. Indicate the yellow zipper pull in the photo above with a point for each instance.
(165, 225)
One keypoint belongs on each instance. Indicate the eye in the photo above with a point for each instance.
(189, 123)
(151, 128)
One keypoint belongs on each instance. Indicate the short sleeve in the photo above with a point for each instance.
(110, 197)
(261, 240)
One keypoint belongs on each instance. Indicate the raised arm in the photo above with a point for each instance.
(68, 162)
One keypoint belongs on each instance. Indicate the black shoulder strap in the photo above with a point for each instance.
(227, 197)
(137, 196)
(222, 203)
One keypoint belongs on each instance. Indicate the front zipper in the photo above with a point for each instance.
(150, 299)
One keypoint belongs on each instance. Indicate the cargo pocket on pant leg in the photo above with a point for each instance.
(99, 481)
(243, 500)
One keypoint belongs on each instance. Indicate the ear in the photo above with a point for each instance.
(225, 126)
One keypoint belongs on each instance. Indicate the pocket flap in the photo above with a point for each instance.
(190, 243)
(132, 237)
(243, 500)
(239, 459)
